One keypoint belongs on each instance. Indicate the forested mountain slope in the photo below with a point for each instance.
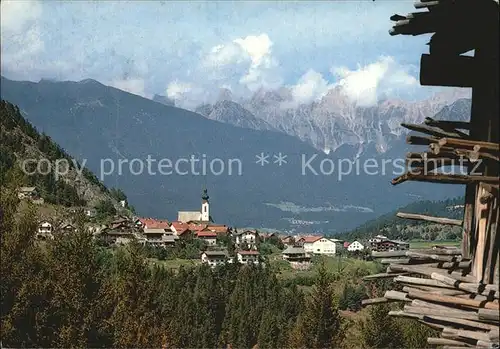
(398, 228)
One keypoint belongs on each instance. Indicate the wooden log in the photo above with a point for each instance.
(419, 5)
(451, 313)
(379, 300)
(436, 306)
(460, 323)
(480, 148)
(452, 300)
(453, 282)
(395, 261)
(466, 334)
(445, 178)
(389, 253)
(397, 17)
(433, 131)
(396, 295)
(437, 149)
(489, 290)
(477, 297)
(379, 276)
(488, 314)
(427, 271)
(420, 281)
(486, 344)
(446, 124)
(475, 156)
(437, 290)
(439, 265)
(421, 217)
(445, 341)
(421, 140)
(400, 313)
(434, 257)
(458, 71)
(468, 143)
(449, 265)
(450, 251)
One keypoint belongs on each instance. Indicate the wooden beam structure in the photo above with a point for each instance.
(456, 294)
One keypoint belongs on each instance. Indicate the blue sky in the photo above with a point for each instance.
(190, 49)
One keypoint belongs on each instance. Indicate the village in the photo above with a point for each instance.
(217, 244)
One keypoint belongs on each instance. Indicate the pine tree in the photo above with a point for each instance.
(380, 330)
(320, 326)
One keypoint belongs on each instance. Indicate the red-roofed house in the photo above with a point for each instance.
(245, 257)
(151, 223)
(220, 229)
(208, 236)
(346, 244)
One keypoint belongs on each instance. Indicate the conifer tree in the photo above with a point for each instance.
(320, 326)
(380, 330)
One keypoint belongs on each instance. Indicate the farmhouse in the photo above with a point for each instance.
(355, 246)
(45, 231)
(208, 236)
(246, 257)
(215, 258)
(295, 254)
(319, 245)
(247, 237)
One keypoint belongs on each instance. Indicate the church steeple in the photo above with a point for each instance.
(204, 195)
(205, 206)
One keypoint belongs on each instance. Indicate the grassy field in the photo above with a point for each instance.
(347, 266)
(427, 244)
(175, 264)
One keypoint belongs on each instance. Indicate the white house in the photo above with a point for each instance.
(319, 245)
(215, 258)
(208, 236)
(198, 216)
(45, 230)
(247, 237)
(246, 257)
(355, 246)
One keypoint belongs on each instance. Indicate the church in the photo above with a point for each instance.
(202, 216)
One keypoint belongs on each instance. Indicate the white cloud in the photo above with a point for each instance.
(367, 84)
(310, 87)
(176, 89)
(132, 85)
(242, 65)
(20, 34)
(17, 13)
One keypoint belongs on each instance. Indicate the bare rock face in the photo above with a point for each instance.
(234, 114)
(335, 121)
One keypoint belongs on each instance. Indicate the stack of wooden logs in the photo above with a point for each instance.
(439, 286)
(438, 291)
(448, 146)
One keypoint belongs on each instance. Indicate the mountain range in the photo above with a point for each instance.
(103, 127)
(335, 121)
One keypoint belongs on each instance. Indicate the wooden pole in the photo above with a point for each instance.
(422, 217)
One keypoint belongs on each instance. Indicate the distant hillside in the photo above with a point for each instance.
(97, 122)
(21, 141)
(404, 229)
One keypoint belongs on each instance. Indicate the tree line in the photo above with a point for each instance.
(71, 292)
(21, 139)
